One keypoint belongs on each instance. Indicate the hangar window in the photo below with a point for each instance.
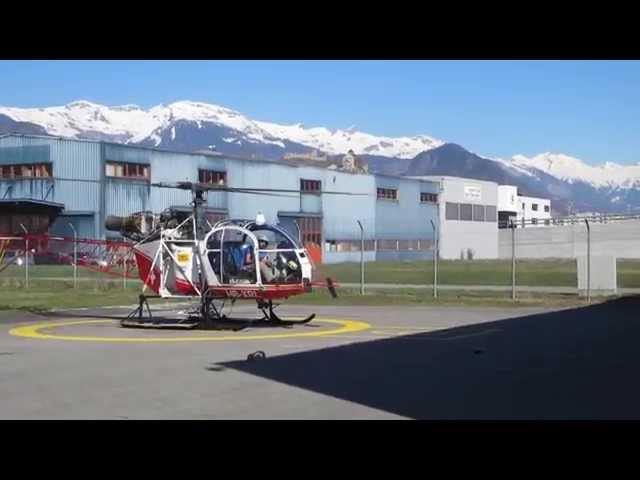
(32, 170)
(546, 208)
(478, 213)
(452, 211)
(490, 213)
(311, 230)
(310, 186)
(127, 170)
(428, 197)
(534, 207)
(387, 194)
(212, 177)
(466, 211)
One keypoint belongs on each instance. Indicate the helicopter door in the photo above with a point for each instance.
(238, 259)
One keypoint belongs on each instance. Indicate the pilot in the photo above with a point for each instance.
(266, 266)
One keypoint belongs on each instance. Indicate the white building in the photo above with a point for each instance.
(524, 211)
(467, 217)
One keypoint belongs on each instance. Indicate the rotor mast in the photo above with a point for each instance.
(199, 200)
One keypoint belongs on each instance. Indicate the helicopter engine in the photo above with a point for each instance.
(146, 225)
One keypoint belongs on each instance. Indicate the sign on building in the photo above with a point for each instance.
(472, 192)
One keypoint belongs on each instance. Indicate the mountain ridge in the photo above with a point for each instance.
(190, 126)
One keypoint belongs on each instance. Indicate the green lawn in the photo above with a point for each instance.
(52, 286)
(51, 271)
(382, 297)
(629, 273)
(42, 296)
(552, 273)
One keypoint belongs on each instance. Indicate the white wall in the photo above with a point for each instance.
(617, 238)
(508, 198)
(528, 213)
(457, 237)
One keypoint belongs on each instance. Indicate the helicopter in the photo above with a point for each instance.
(182, 255)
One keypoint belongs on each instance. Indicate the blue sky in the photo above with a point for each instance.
(587, 109)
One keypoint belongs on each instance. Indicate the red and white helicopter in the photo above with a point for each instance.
(183, 256)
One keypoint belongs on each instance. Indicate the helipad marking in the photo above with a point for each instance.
(33, 331)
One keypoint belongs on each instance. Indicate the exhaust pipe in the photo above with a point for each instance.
(121, 224)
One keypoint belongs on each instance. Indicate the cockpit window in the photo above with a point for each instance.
(275, 240)
(215, 241)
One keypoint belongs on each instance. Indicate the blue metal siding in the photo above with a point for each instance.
(311, 203)
(262, 175)
(124, 197)
(84, 225)
(37, 189)
(24, 154)
(123, 153)
(71, 159)
(342, 211)
(406, 217)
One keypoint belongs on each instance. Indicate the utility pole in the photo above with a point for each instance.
(75, 255)
(435, 259)
(588, 261)
(26, 256)
(513, 260)
(361, 257)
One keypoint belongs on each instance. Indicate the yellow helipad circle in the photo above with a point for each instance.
(33, 331)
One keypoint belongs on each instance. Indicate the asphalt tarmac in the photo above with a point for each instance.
(348, 363)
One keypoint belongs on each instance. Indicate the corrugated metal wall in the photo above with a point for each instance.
(71, 159)
(406, 217)
(124, 197)
(84, 225)
(341, 212)
(261, 175)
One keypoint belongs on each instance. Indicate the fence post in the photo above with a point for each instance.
(435, 259)
(75, 256)
(513, 260)
(124, 265)
(588, 261)
(26, 255)
(361, 257)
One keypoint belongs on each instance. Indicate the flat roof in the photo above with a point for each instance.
(30, 201)
(455, 179)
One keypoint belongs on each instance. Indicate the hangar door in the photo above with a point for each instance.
(83, 223)
(310, 232)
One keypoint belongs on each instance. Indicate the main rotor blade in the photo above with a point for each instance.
(224, 188)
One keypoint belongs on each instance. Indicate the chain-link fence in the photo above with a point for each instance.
(592, 255)
(40, 260)
(570, 256)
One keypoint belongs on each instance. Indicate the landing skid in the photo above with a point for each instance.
(138, 319)
(209, 317)
(271, 317)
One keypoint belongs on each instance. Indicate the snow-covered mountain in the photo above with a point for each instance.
(338, 142)
(569, 169)
(190, 126)
(132, 124)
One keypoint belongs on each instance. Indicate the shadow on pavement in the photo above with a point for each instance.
(579, 363)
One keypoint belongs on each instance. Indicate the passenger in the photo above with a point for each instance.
(266, 266)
